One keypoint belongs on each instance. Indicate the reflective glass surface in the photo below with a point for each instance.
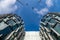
(57, 28)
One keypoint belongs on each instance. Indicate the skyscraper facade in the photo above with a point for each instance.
(11, 27)
(50, 27)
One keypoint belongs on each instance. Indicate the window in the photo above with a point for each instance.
(16, 21)
(53, 22)
(4, 29)
(48, 26)
(11, 22)
(43, 20)
(6, 19)
(47, 18)
(56, 17)
(3, 25)
(18, 18)
(13, 18)
(57, 28)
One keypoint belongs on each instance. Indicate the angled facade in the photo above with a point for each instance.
(11, 27)
(50, 27)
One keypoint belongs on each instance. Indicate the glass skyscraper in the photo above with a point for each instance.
(11, 27)
(50, 27)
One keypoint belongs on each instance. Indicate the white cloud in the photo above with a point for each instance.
(45, 10)
(35, 9)
(42, 11)
(7, 6)
(49, 3)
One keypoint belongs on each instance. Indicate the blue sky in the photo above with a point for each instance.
(32, 11)
(32, 18)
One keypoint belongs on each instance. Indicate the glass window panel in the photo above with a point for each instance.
(54, 36)
(57, 28)
(57, 17)
(48, 26)
(3, 25)
(12, 37)
(42, 20)
(6, 19)
(4, 29)
(16, 20)
(11, 22)
(14, 27)
(13, 17)
(19, 19)
(52, 21)
(47, 18)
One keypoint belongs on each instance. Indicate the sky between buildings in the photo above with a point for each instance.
(31, 11)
